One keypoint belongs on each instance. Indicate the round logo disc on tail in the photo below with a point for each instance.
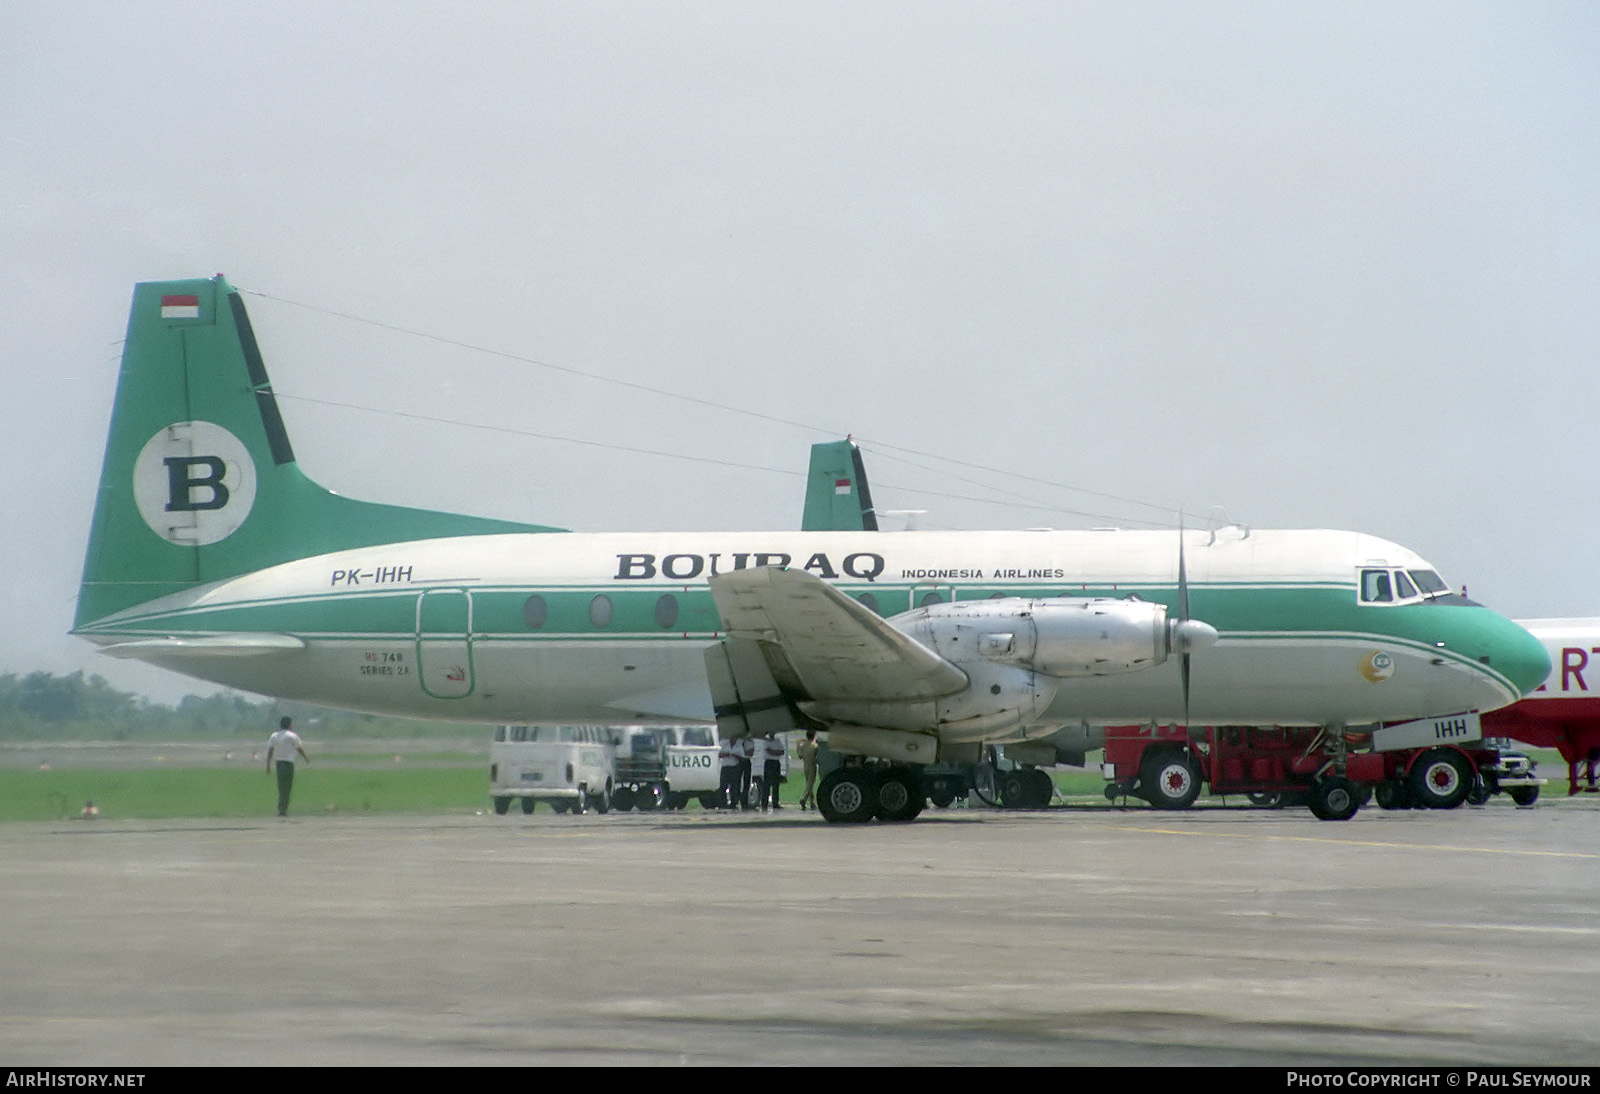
(194, 483)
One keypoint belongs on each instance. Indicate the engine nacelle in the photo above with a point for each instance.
(1061, 637)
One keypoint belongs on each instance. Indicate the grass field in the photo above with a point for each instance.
(235, 792)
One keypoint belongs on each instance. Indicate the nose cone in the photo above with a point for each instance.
(1520, 656)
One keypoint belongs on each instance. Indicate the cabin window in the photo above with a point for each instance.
(519, 733)
(930, 598)
(500, 733)
(535, 612)
(870, 601)
(667, 610)
(600, 611)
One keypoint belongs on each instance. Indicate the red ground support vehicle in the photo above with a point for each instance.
(1168, 766)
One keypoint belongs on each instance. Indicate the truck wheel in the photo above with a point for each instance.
(647, 798)
(527, 805)
(1524, 795)
(1334, 799)
(601, 801)
(1439, 779)
(502, 806)
(847, 795)
(622, 799)
(1478, 793)
(1265, 799)
(1169, 779)
(942, 793)
(580, 805)
(560, 806)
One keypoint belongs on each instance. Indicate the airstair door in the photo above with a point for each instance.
(444, 643)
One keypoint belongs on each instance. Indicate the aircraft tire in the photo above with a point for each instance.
(1169, 779)
(1440, 779)
(1334, 799)
(1392, 794)
(502, 806)
(900, 796)
(1041, 787)
(847, 795)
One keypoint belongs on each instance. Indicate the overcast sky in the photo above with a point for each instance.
(1323, 265)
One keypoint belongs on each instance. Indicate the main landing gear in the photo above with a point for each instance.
(857, 794)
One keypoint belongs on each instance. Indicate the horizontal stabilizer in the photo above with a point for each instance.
(219, 645)
(837, 648)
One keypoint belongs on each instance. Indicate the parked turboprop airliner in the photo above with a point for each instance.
(213, 555)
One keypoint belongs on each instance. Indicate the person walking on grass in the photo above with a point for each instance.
(285, 744)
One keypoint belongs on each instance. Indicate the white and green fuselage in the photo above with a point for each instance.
(214, 556)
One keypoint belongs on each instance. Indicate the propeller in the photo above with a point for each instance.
(1187, 634)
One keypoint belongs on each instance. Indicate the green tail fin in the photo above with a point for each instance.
(837, 498)
(199, 481)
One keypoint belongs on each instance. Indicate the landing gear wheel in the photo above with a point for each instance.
(1440, 779)
(1170, 779)
(1392, 794)
(1334, 799)
(1524, 795)
(847, 795)
(1040, 788)
(502, 806)
(900, 796)
(527, 805)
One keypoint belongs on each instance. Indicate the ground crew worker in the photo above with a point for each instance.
(807, 751)
(728, 756)
(284, 744)
(772, 772)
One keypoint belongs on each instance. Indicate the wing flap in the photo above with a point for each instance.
(834, 647)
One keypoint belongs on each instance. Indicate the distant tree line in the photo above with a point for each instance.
(42, 705)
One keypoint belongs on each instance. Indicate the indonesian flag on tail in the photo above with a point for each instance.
(841, 486)
(180, 307)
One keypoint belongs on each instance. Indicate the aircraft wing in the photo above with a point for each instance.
(832, 646)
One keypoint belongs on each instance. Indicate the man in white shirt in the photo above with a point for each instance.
(284, 745)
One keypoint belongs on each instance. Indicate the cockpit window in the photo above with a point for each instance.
(1398, 586)
(1429, 582)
